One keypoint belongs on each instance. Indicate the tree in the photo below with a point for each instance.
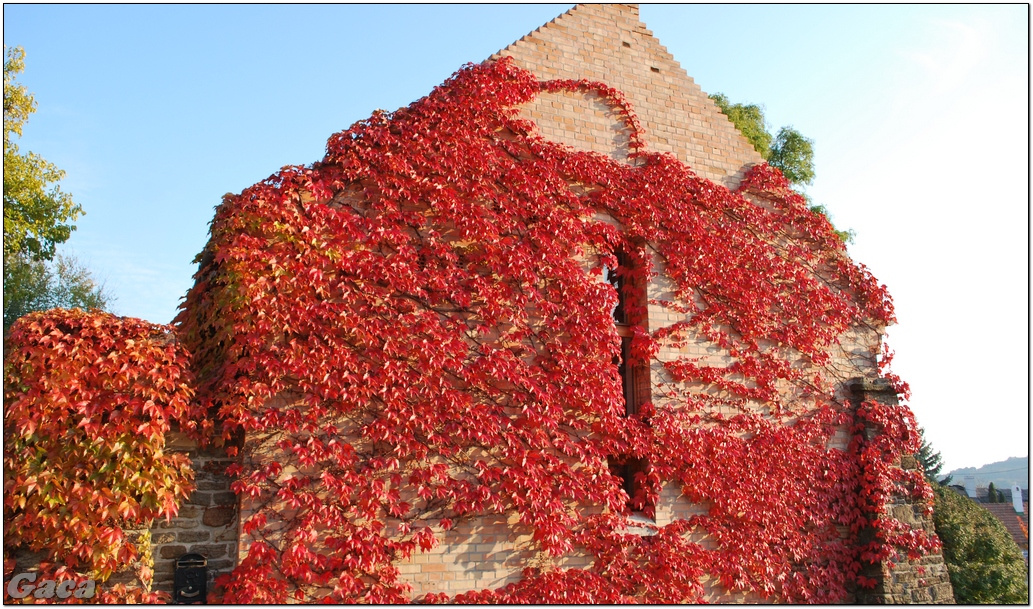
(34, 285)
(788, 151)
(37, 214)
(749, 120)
(985, 564)
(37, 217)
(931, 460)
(994, 494)
(793, 155)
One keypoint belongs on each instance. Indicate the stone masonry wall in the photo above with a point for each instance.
(207, 522)
(905, 581)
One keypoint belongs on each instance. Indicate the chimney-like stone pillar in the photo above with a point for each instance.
(905, 581)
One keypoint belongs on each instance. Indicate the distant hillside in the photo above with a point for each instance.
(1003, 474)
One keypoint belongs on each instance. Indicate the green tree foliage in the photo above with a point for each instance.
(34, 285)
(37, 214)
(994, 494)
(793, 155)
(931, 460)
(749, 120)
(788, 151)
(37, 217)
(985, 564)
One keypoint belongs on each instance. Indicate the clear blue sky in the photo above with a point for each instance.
(920, 116)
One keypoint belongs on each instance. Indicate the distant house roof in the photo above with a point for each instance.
(1005, 512)
(982, 492)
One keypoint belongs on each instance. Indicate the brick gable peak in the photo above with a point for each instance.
(602, 12)
(608, 43)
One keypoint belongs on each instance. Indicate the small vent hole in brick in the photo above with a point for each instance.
(655, 69)
(627, 44)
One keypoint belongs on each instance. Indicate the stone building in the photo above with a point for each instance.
(605, 44)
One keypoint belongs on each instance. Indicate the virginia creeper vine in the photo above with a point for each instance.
(415, 331)
(88, 401)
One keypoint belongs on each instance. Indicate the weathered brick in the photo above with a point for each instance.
(172, 551)
(178, 523)
(194, 536)
(188, 511)
(226, 534)
(210, 551)
(218, 516)
(224, 498)
(200, 498)
(212, 484)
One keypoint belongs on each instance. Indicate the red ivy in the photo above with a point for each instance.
(414, 333)
(406, 337)
(88, 400)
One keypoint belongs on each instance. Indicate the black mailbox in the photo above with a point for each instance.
(190, 584)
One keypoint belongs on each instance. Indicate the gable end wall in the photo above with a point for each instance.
(608, 43)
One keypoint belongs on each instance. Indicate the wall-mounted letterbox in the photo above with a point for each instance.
(190, 583)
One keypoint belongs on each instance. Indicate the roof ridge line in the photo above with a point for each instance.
(633, 6)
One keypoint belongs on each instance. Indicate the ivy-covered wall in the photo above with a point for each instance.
(408, 365)
(413, 337)
(902, 578)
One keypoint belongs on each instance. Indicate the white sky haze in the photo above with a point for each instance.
(919, 114)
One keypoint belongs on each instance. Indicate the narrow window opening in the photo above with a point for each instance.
(626, 44)
(655, 69)
(634, 378)
(617, 278)
(628, 467)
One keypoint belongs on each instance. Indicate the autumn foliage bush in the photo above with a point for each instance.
(416, 331)
(88, 401)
